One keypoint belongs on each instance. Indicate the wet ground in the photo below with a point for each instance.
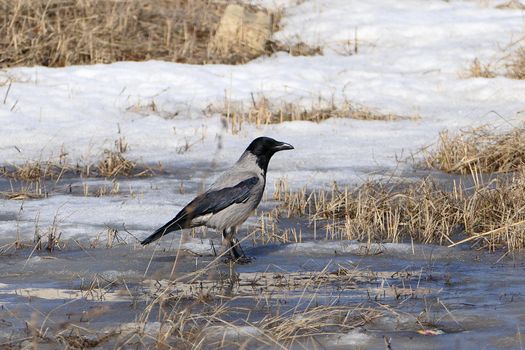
(98, 288)
(458, 298)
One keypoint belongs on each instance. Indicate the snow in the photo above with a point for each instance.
(411, 56)
(330, 248)
(228, 332)
(354, 338)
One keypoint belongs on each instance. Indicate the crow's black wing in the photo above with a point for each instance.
(211, 201)
(216, 200)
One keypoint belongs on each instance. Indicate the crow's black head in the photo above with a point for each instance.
(264, 148)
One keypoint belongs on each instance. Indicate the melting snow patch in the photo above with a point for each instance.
(111, 275)
(233, 332)
(355, 247)
(353, 338)
(202, 248)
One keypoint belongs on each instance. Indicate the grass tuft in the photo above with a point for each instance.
(483, 149)
(489, 215)
(479, 70)
(516, 69)
(34, 179)
(263, 112)
(115, 164)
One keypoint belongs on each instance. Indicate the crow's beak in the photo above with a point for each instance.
(283, 146)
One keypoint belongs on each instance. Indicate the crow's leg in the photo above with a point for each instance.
(227, 237)
(240, 257)
(233, 247)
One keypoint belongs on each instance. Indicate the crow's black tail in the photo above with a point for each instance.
(175, 224)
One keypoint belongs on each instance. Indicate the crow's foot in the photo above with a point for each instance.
(241, 260)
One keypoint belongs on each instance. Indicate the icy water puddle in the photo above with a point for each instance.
(315, 294)
(97, 297)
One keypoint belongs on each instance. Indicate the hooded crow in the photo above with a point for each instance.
(231, 198)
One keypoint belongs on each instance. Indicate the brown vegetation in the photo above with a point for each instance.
(113, 164)
(263, 111)
(511, 5)
(58, 33)
(490, 215)
(516, 69)
(64, 32)
(31, 179)
(511, 65)
(483, 149)
(479, 70)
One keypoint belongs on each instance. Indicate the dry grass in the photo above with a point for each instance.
(35, 179)
(510, 64)
(299, 49)
(202, 328)
(112, 164)
(263, 112)
(58, 33)
(516, 68)
(38, 170)
(479, 70)
(64, 32)
(115, 164)
(315, 321)
(489, 215)
(511, 5)
(483, 149)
